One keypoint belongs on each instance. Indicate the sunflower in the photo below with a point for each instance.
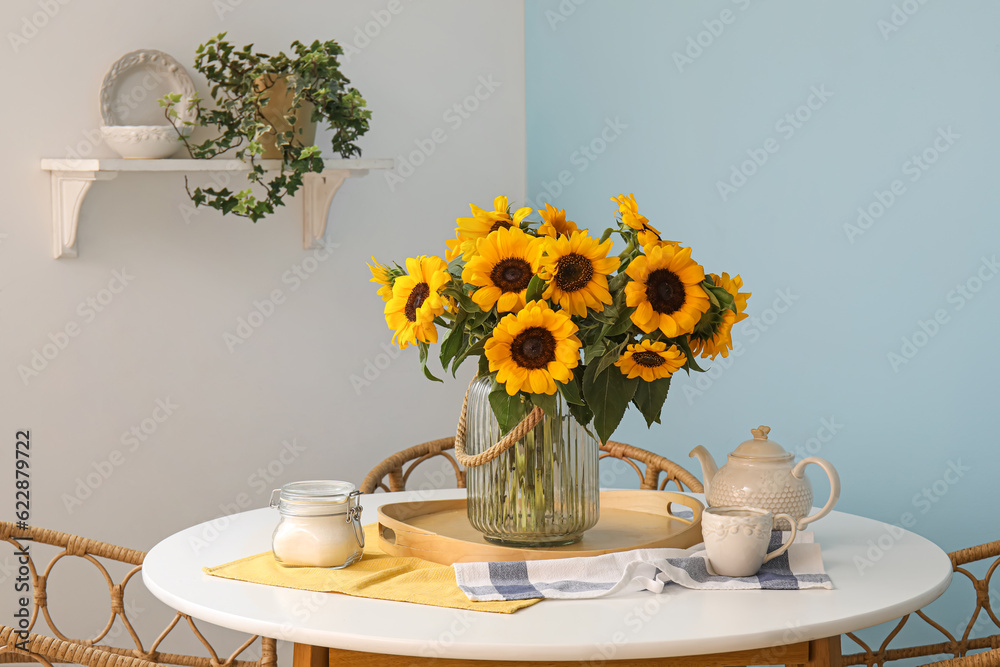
(665, 290)
(650, 361)
(645, 233)
(577, 269)
(481, 223)
(534, 349)
(555, 222)
(383, 276)
(502, 267)
(733, 286)
(416, 301)
(721, 341)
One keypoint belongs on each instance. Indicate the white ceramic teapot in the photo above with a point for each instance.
(760, 473)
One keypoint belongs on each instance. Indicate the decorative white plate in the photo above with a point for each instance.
(133, 86)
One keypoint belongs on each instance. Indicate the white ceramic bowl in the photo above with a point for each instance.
(148, 142)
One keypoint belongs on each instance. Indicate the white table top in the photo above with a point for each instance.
(899, 572)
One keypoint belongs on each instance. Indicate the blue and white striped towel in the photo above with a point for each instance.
(641, 569)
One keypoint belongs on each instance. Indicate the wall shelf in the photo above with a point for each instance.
(71, 180)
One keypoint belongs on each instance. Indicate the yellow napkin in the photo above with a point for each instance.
(377, 575)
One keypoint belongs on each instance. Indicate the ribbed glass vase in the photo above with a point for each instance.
(543, 491)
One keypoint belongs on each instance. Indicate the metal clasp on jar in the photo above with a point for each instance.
(354, 516)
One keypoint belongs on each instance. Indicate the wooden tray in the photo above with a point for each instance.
(439, 530)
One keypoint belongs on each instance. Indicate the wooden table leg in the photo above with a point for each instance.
(304, 655)
(824, 653)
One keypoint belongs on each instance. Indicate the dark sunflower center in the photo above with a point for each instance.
(418, 295)
(648, 359)
(500, 224)
(573, 272)
(665, 291)
(533, 348)
(511, 275)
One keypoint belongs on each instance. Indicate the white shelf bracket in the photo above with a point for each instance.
(69, 188)
(318, 191)
(72, 178)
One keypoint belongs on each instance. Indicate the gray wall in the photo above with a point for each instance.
(161, 338)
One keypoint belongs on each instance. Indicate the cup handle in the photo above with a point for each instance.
(784, 547)
(831, 472)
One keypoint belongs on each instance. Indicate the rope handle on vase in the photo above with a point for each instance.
(505, 443)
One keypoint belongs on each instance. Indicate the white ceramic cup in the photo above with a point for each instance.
(736, 539)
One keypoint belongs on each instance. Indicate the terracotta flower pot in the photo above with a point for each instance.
(276, 104)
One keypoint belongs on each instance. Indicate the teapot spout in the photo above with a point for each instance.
(708, 467)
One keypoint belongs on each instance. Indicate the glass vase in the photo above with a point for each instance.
(543, 491)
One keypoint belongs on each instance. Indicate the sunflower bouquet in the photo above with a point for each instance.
(547, 309)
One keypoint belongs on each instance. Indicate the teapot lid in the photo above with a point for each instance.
(760, 447)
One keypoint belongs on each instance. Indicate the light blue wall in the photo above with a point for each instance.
(893, 93)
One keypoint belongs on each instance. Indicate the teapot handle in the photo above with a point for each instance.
(799, 471)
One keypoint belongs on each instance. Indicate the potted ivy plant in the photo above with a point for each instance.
(266, 107)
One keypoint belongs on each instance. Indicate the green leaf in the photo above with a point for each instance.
(617, 283)
(608, 395)
(547, 402)
(484, 366)
(464, 300)
(607, 316)
(452, 344)
(712, 299)
(594, 352)
(536, 286)
(610, 357)
(571, 391)
(690, 364)
(423, 362)
(474, 349)
(606, 235)
(509, 410)
(478, 318)
(581, 413)
(649, 398)
(621, 325)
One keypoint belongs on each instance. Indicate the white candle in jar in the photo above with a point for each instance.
(320, 524)
(318, 541)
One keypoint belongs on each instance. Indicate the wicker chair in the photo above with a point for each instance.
(46, 650)
(957, 646)
(393, 473)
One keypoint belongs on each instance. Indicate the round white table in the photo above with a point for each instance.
(879, 572)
